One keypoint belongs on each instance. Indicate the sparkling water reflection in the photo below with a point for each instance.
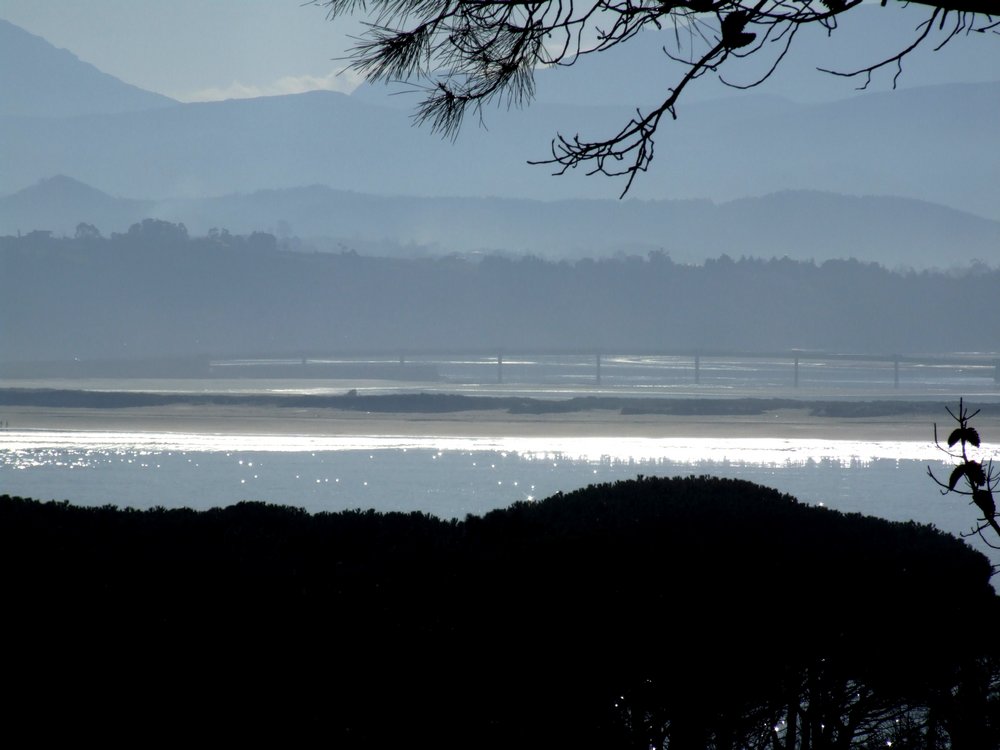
(769, 451)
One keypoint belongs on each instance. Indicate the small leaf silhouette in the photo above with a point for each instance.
(974, 471)
(733, 36)
(964, 434)
(957, 473)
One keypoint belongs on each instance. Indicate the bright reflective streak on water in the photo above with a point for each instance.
(763, 451)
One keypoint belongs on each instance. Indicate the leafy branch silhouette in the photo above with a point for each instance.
(970, 477)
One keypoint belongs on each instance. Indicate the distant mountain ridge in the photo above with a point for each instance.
(39, 80)
(798, 224)
(925, 143)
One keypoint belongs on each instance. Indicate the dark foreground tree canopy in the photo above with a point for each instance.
(681, 613)
(466, 54)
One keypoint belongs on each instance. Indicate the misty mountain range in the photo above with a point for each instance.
(923, 143)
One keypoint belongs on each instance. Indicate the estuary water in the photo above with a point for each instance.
(451, 477)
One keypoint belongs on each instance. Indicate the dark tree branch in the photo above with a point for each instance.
(982, 7)
(467, 54)
(970, 476)
(897, 58)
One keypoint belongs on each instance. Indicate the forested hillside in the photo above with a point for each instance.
(153, 291)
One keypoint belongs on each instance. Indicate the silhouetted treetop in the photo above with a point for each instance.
(158, 232)
(466, 54)
(617, 616)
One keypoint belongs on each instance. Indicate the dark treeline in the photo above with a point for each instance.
(698, 612)
(154, 291)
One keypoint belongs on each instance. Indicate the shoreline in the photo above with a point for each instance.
(783, 423)
(462, 415)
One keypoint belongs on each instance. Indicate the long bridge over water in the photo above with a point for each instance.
(410, 363)
(572, 366)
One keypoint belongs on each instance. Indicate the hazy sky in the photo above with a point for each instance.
(197, 49)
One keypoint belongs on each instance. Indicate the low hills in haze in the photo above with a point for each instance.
(798, 224)
(59, 203)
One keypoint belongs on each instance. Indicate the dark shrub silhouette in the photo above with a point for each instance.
(675, 612)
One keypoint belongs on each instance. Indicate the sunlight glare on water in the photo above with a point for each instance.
(21, 445)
